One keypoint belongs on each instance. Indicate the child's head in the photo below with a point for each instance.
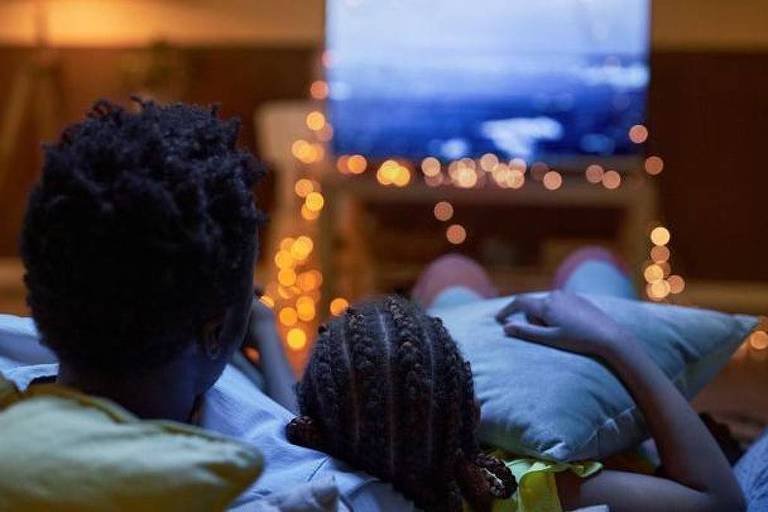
(387, 390)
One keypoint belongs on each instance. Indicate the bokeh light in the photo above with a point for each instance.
(594, 173)
(552, 180)
(315, 121)
(654, 165)
(357, 164)
(638, 134)
(305, 308)
(676, 284)
(296, 339)
(488, 162)
(660, 253)
(759, 340)
(430, 166)
(660, 236)
(308, 214)
(611, 180)
(286, 277)
(338, 306)
(653, 273)
(288, 316)
(456, 234)
(319, 90)
(314, 201)
(443, 211)
(303, 187)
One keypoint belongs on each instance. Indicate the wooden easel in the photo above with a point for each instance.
(35, 92)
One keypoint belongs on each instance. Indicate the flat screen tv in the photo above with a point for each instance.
(518, 78)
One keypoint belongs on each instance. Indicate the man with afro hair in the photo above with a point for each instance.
(139, 243)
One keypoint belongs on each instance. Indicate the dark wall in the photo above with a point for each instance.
(708, 115)
(709, 120)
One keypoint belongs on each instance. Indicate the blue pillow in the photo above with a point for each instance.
(547, 403)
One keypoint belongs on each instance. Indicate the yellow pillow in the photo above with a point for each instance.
(64, 451)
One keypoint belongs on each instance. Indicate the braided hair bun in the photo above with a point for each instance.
(387, 390)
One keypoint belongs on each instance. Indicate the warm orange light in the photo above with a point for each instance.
(660, 253)
(303, 187)
(660, 236)
(611, 180)
(305, 308)
(467, 178)
(307, 153)
(288, 316)
(653, 273)
(434, 181)
(307, 281)
(654, 165)
(357, 164)
(488, 162)
(659, 289)
(759, 340)
(430, 166)
(387, 172)
(338, 306)
(267, 301)
(319, 90)
(518, 164)
(284, 259)
(286, 277)
(302, 247)
(456, 234)
(325, 134)
(342, 164)
(308, 214)
(300, 148)
(552, 180)
(296, 339)
(314, 201)
(638, 134)
(402, 177)
(286, 243)
(594, 173)
(443, 211)
(315, 121)
(676, 284)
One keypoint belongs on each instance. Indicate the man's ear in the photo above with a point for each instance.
(211, 342)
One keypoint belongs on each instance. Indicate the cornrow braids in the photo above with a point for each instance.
(387, 390)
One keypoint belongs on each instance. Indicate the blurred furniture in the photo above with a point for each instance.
(12, 291)
(357, 248)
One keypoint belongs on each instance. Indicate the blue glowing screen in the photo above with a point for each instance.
(518, 78)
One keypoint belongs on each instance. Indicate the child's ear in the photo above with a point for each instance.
(304, 431)
(211, 342)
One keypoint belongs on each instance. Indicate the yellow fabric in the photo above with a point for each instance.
(536, 486)
(64, 451)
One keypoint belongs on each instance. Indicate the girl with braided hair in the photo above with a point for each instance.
(387, 390)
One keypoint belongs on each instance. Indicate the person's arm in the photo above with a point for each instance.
(699, 476)
(279, 378)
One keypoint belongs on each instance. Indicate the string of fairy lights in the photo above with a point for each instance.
(295, 290)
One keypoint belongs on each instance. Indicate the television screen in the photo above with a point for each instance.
(518, 78)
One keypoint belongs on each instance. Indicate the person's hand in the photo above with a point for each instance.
(565, 321)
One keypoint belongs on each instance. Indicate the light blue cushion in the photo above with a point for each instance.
(19, 343)
(547, 403)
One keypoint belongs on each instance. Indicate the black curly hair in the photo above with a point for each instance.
(141, 230)
(387, 390)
